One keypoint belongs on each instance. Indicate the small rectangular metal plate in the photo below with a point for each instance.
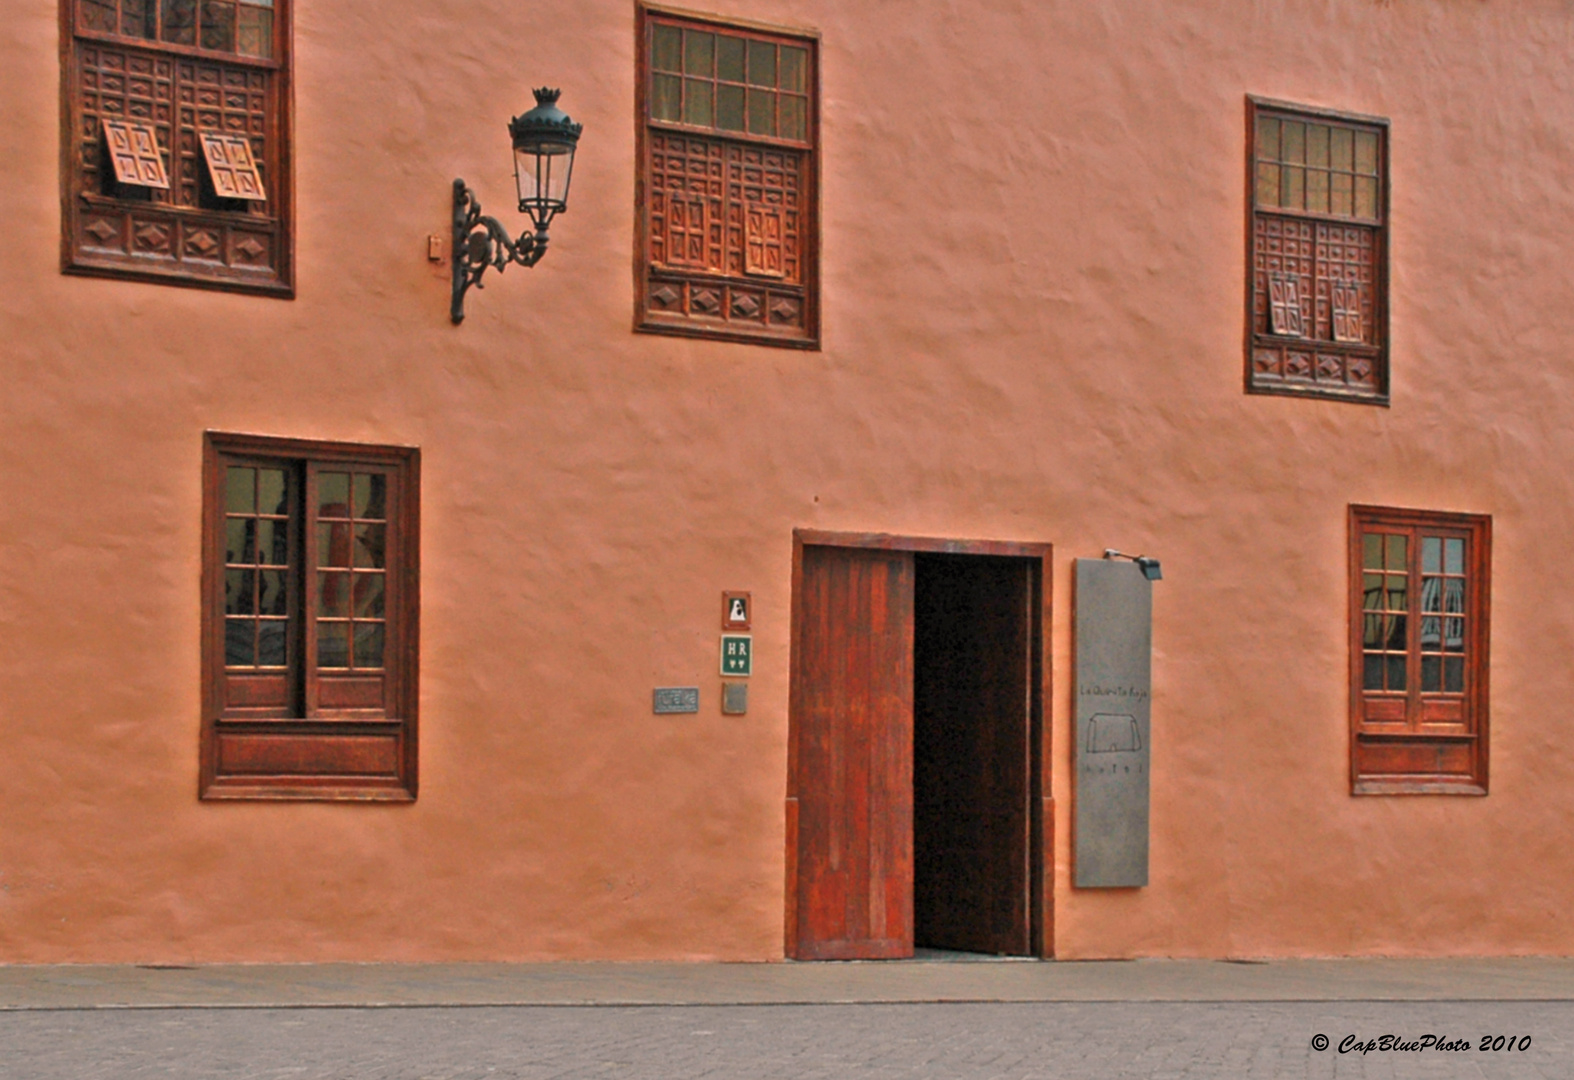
(734, 698)
(737, 655)
(677, 699)
(1114, 628)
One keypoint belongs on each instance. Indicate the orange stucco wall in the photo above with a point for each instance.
(1033, 260)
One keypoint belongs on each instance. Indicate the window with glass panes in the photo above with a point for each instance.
(726, 199)
(175, 157)
(1317, 277)
(310, 596)
(1419, 610)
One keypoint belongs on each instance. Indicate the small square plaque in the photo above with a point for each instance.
(735, 610)
(677, 699)
(734, 698)
(737, 654)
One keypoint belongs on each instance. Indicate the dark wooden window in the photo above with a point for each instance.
(1419, 607)
(175, 157)
(310, 601)
(726, 202)
(1317, 270)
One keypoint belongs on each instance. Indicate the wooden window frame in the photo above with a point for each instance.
(1308, 364)
(747, 306)
(1415, 741)
(172, 237)
(302, 750)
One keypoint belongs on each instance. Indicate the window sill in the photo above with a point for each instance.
(149, 241)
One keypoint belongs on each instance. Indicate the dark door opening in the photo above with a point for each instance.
(972, 707)
(912, 758)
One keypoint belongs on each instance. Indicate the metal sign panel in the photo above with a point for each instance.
(1114, 628)
(677, 699)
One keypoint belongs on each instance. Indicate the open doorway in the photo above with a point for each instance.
(972, 702)
(916, 768)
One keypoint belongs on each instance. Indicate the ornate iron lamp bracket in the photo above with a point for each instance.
(480, 242)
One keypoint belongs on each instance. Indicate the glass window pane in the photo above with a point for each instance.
(139, 18)
(1340, 155)
(666, 48)
(1431, 594)
(1431, 674)
(240, 490)
(1372, 672)
(254, 35)
(1398, 597)
(762, 63)
(274, 495)
(100, 15)
(762, 112)
(333, 494)
(180, 21)
(1372, 551)
(1366, 153)
(272, 642)
(1366, 198)
(239, 540)
(271, 596)
(666, 98)
(369, 645)
(1372, 632)
(1317, 145)
(1454, 556)
(240, 591)
(370, 545)
(1317, 191)
(1454, 595)
(697, 103)
(1293, 197)
(1339, 198)
(333, 644)
(1398, 552)
(1267, 139)
(729, 108)
(273, 542)
(1396, 672)
(1294, 142)
(795, 117)
(333, 545)
(1267, 185)
(699, 53)
(240, 642)
(795, 66)
(1454, 635)
(371, 496)
(729, 58)
(1431, 555)
(218, 25)
(369, 596)
(1432, 634)
(333, 595)
(1397, 640)
(1372, 592)
(1454, 674)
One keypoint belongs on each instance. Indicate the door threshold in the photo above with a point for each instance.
(956, 956)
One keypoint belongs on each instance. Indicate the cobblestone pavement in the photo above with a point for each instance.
(1034, 1041)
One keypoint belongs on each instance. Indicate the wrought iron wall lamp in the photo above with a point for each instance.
(1147, 564)
(544, 141)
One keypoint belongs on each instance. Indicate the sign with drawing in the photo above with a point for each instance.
(1114, 628)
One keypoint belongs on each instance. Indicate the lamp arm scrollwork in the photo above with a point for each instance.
(480, 242)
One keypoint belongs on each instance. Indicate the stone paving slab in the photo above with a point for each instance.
(24, 987)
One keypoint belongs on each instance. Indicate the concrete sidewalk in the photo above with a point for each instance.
(932, 978)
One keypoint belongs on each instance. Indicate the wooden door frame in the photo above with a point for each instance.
(1041, 804)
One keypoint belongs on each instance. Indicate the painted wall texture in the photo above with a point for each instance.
(1033, 260)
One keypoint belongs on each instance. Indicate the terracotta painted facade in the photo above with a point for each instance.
(1032, 274)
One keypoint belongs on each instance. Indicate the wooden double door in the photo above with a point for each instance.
(916, 811)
